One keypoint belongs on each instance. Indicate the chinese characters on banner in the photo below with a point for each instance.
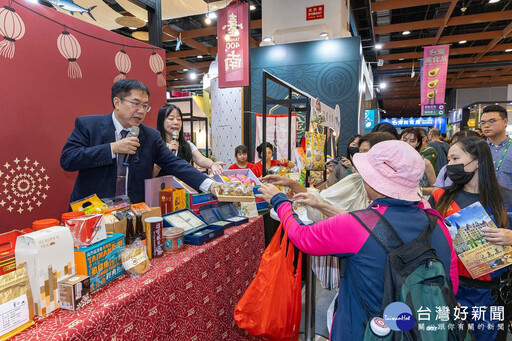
(233, 45)
(435, 68)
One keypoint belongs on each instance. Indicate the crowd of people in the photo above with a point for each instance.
(411, 181)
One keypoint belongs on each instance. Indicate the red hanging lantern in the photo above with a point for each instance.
(157, 65)
(69, 48)
(12, 28)
(123, 64)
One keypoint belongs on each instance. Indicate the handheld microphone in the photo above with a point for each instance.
(175, 137)
(134, 132)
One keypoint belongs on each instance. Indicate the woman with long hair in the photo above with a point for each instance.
(170, 123)
(471, 169)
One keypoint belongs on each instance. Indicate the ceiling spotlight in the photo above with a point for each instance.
(252, 7)
(493, 1)
(463, 9)
(185, 70)
(267, 39)
(212, 15)
(508, 50)
(207, 20)
(383, 85)
(400, 58)
(463, 41)
(132, 28)
(378, 46)
(405, 33)
(324, 35)
(192, 75)
(200, 56)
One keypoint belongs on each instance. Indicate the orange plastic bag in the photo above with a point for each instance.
(271, 306)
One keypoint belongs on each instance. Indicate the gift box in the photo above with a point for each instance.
(212, 217)
(197, 231)
(7, 246)
(244, 173)
(75, 292)
(49, 257)
(172, 199)
(96, 261)
(87, 229)
(229, 212)
(152, 188)
(194, 199)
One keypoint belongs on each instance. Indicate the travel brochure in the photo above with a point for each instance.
(478, 255)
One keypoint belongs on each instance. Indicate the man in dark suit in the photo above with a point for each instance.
(96, 146)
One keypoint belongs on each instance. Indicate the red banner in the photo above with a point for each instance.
(76, 65)
(435, 68)
(233, 45)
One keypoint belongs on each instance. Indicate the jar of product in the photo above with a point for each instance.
(174, 239)
(44, 223)
(70, 215)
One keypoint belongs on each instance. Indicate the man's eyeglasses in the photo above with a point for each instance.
(138, 105)
(490, 122)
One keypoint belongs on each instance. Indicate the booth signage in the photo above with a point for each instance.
(434, 70)
(325, 115)
(436, 122)
(315, 12)
(233, 45)
(433, 110)
(369, 119)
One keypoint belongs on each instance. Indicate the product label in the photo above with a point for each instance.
(13, 314)
(133, 262)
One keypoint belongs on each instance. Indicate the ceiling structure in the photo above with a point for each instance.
(479, 34)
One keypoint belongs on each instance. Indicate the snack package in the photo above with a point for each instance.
(314, 151)
(89, 205)
(16, 303)
(140, 208)
(87, 229)
(135, 259)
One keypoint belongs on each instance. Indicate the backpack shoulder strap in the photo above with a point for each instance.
(379, 228)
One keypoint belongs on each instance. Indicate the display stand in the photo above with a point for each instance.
(299, 104)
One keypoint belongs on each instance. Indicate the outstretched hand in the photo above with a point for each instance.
(267, 192)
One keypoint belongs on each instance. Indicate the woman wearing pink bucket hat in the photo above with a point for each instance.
(391, 171)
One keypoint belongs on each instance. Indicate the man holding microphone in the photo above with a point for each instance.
(98, 146)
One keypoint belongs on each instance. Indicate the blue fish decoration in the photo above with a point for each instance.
(71, 7)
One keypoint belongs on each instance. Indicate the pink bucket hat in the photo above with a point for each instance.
(392, 168)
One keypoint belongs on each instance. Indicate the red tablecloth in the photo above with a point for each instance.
(185, 296)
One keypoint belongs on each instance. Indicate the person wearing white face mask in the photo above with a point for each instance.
(470, 167)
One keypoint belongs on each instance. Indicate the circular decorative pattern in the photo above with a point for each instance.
(23, 185)
(130, 22)
(338, 82)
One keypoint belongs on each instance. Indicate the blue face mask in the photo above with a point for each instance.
(458, 175)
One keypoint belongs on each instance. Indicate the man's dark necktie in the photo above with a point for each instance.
(121, 170)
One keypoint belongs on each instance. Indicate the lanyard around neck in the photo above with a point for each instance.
(503, 155)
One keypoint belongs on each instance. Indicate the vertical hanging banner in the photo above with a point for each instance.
(433, 80)
(233, 45)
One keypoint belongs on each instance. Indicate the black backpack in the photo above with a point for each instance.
(413, 275)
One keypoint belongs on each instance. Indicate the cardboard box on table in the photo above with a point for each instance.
(7, 246)
(50, 259)
(229, 212)
(194, 200)
(152, 188)
(120, 226)
(197, 231)
(96, 262)
(212, 217)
